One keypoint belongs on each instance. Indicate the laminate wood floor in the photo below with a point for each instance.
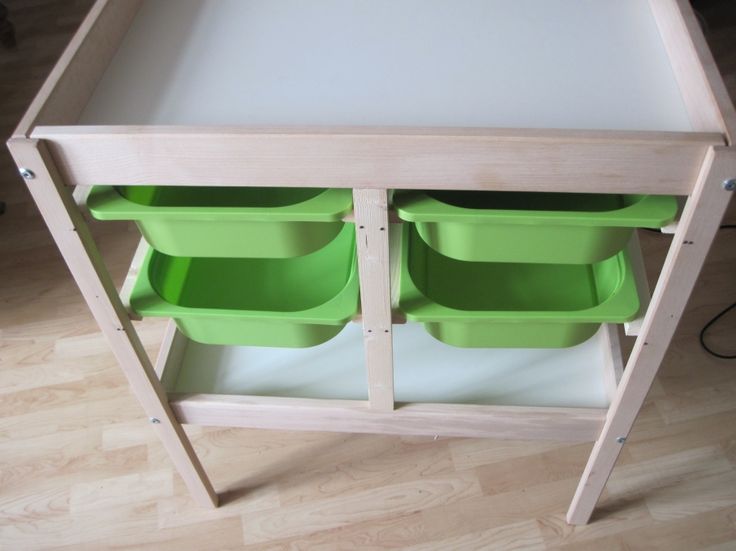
(81, 469)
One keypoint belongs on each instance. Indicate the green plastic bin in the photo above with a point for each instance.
(556, 228)
(227, 222)
(512, 305)
(295, 302)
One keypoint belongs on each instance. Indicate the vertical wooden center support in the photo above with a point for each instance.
(700, 220)
(371, 230)
(72, 236)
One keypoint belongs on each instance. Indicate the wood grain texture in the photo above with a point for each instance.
(544, 423)
(690, 245)
(72, 236)
(524, 160)
(135, 267)
(706, 97)
(614, 368)
(372, 239)
(71, 82)
(69, 421)
(79, 428)
(633, 327)
(170, 355)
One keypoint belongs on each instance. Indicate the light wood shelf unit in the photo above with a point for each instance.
(689, 154)
(562, 394)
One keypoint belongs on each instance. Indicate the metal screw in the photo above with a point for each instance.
(154, 421)
(621, 439)
(27, 174)
(729, 185)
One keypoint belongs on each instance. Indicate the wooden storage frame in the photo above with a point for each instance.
(54, 155)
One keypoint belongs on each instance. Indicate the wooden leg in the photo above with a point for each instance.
(85, 263)
(614, 363)
(699, 223)
(371, 227)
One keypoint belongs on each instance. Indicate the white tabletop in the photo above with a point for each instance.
(586, 64)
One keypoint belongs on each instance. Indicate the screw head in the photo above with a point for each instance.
(621, 439)
(155, 421)
(730, 184)
(27, 174)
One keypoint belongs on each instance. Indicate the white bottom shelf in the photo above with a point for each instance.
(426, 371)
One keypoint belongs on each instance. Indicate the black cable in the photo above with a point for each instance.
(707, 326)
(715, 318)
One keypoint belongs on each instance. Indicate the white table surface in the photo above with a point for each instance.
(585, 64)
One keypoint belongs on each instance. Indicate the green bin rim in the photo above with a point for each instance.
(105, 203)
(337, 311)
(618, 308)
(650, 211)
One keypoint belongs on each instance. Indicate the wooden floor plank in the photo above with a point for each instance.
(80, 467)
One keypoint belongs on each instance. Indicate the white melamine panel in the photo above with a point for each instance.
(587, 64)
(426, 370)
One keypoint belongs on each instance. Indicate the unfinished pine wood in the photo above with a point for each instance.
(170, 355)
(633, 327)
(371, 235)
(133, 271)
(565, 424)
(566, 165)
(690, 245)
(614, 364)
(705, 96)
(371, 158)
(80, 194)
(70, 84)
(69, 424)
(72, 236)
